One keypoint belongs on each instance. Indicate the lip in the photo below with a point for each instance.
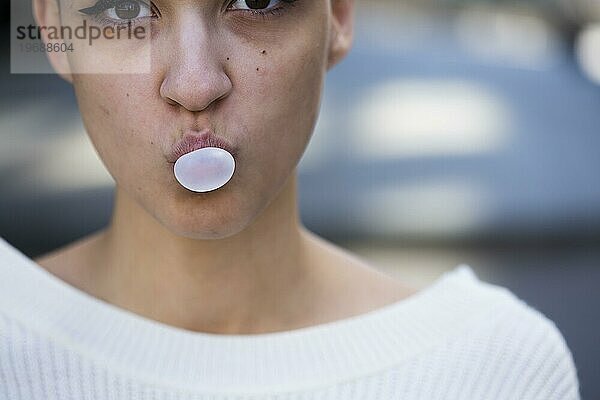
(194, 141)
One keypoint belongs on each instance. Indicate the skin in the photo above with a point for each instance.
(237, 259)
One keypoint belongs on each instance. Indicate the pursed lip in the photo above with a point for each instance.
(194, 141)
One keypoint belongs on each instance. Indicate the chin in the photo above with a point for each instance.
(207, 228)
(206, 233)
(207, 220)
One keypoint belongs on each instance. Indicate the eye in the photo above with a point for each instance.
(126, 10)
(120, 10)
(262, 5)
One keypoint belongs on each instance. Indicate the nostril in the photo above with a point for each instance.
(170, 101)
(194, 87)
(221, 97)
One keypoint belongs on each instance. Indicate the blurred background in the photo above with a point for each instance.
(455, 132)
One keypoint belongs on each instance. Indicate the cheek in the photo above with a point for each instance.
(116, 112)
(282, 95)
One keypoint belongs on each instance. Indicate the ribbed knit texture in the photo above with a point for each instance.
(459, 338)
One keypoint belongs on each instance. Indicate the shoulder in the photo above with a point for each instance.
(522, 344)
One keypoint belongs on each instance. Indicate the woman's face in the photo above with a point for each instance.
(251, 71)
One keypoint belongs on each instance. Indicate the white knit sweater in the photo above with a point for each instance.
(459, 338)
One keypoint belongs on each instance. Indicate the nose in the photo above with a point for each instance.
(194, 77)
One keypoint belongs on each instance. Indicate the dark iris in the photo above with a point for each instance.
(127, 9)
(257, 4)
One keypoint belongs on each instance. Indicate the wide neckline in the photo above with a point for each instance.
(164, 355)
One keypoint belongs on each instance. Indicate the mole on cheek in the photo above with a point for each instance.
(263, 52)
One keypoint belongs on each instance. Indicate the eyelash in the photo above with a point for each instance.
(102, 6)
(267, 13)
(96, 10)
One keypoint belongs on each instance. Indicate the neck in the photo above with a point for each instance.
(251, 281)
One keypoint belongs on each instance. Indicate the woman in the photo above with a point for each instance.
(224, 294)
